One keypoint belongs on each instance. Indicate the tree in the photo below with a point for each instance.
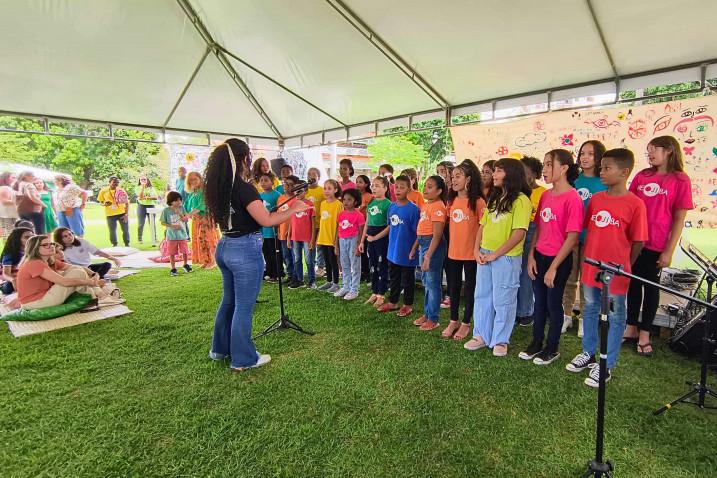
(89, 161)
(397, 151)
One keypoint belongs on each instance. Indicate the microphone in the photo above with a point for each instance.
(616, 269)
(301, 186)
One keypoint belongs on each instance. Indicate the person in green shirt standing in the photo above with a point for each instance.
(146, 198)
(205, 234)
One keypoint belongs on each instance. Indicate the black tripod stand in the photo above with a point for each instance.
(700, 388)
(597, 467)
(283, 322)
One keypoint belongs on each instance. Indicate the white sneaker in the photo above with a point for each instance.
(313, 286)
(580, 328)
(351, 296)
(217, 357)
(567, 323)
(333, 289)
(263, 360)
(341, 292)
(110, 300)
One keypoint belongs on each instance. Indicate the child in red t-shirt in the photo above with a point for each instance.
(616, 225)
(301, 235)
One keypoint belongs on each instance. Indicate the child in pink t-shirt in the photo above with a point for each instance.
(301, 235)
(667, 193)
(350, 222)
(558, 221)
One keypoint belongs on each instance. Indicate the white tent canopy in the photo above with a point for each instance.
(313, 71)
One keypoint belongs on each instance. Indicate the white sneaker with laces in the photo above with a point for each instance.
(567, 323)
(351, 296)
(341, 292)
(217, 357)
(333, 289)
(263, 360)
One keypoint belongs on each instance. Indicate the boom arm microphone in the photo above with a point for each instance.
(301, 186)
(616, 269)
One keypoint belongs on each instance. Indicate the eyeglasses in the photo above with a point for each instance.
(48, 244)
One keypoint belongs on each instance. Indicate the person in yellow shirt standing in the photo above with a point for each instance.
(116, 203)
(315, 194)
(533, 170)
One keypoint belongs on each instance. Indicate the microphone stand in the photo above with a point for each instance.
(283, 322)
(597, 467)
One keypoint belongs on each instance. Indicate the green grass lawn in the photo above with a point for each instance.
(97, 232)
(369, 395)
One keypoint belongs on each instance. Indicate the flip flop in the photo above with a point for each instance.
(641, 350)
(420, 321)
(405, 311)
(387, 308)
(429, 325)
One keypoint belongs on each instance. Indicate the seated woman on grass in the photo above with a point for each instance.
(11, 257)
(39, 284)
(79, 252)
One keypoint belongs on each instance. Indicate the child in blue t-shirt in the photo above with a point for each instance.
(403, 217)
(175, 219)
(272, 269)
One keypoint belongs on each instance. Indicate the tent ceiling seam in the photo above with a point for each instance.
(186, 87)
(280, 85)
(381, 45)
(603, 40)
(209, 40)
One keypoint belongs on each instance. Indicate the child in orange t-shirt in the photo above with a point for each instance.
(432, 248)
(467, 205)
(287, 183)
(414, 195)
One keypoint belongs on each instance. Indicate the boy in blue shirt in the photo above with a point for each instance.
(270, 196)
(403, 217)
(174, 218)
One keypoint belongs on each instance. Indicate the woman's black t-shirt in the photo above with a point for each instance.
(242, 222)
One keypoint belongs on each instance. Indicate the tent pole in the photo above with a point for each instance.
(602, 38)
(186, 87)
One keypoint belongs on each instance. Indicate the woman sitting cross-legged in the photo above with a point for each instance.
(39, 284)
(79, 252)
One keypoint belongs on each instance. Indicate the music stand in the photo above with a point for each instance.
(700, 388)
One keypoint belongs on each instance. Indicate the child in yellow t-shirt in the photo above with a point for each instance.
(327, 238)
(315, 194)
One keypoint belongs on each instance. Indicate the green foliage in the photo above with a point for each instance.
(398, 151)
(662, 90)
(89, 161)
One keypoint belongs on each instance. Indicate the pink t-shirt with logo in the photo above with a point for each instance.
(613, 224)
(663, 194)
(557, 215)
(302, 224)
(349, 223)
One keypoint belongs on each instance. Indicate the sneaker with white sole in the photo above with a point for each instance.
(474, 344)
(312, 286)
(593, 379)
(567, 323)
(333, 289)
(446, 303)
(533, 349)
(546, 358)
(263, 360)
(325, 286)
(217, 357)
(581, 361)
(341, 292)
(580, 328)
(351, 296)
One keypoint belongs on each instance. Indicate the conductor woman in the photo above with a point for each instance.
(234, 204)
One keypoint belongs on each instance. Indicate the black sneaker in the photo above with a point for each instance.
(581, 361)
(173, 273)
(533, 349)
(546, 358)
(525, 321)
(295, 284)
(593, 379)
(187, 268)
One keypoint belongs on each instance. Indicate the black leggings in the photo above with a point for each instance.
(332, 264)
(272, 268)
(549, 300)
(100, 268)
(646, 267)
(401, 278)
(455, 279)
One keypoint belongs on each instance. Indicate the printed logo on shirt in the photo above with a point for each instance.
(604, 219)
(585, 194)
(300, 214)
(285, 207)
(312, 199)
(325, 215)
(267, 205)
(496, 218)
(458, 216)
(395, 220)
(424, 216)
(345, 224)
(651, 189)
(374, 210)
(547, 214)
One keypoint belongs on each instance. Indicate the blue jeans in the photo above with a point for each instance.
(299, 247)
(526, 300)
(616, 321)
(350, 263)
(74, 222)
(431, 280)
(495, 299)
(112, 222)
(288, 260)
(241, 264)
(320, 261)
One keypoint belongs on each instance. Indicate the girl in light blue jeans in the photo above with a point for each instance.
(350, 226)
(499, 249)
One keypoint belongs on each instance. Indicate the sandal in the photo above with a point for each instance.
(641, 350)
(379, 301)
(463, 332)
(405, 311)
(429, 325)
(388, 307)
(371, 299)
(420, 321)
(450, 330)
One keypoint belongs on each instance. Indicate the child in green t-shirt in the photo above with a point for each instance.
(174, 218)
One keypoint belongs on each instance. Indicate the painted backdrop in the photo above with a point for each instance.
(691, 121)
